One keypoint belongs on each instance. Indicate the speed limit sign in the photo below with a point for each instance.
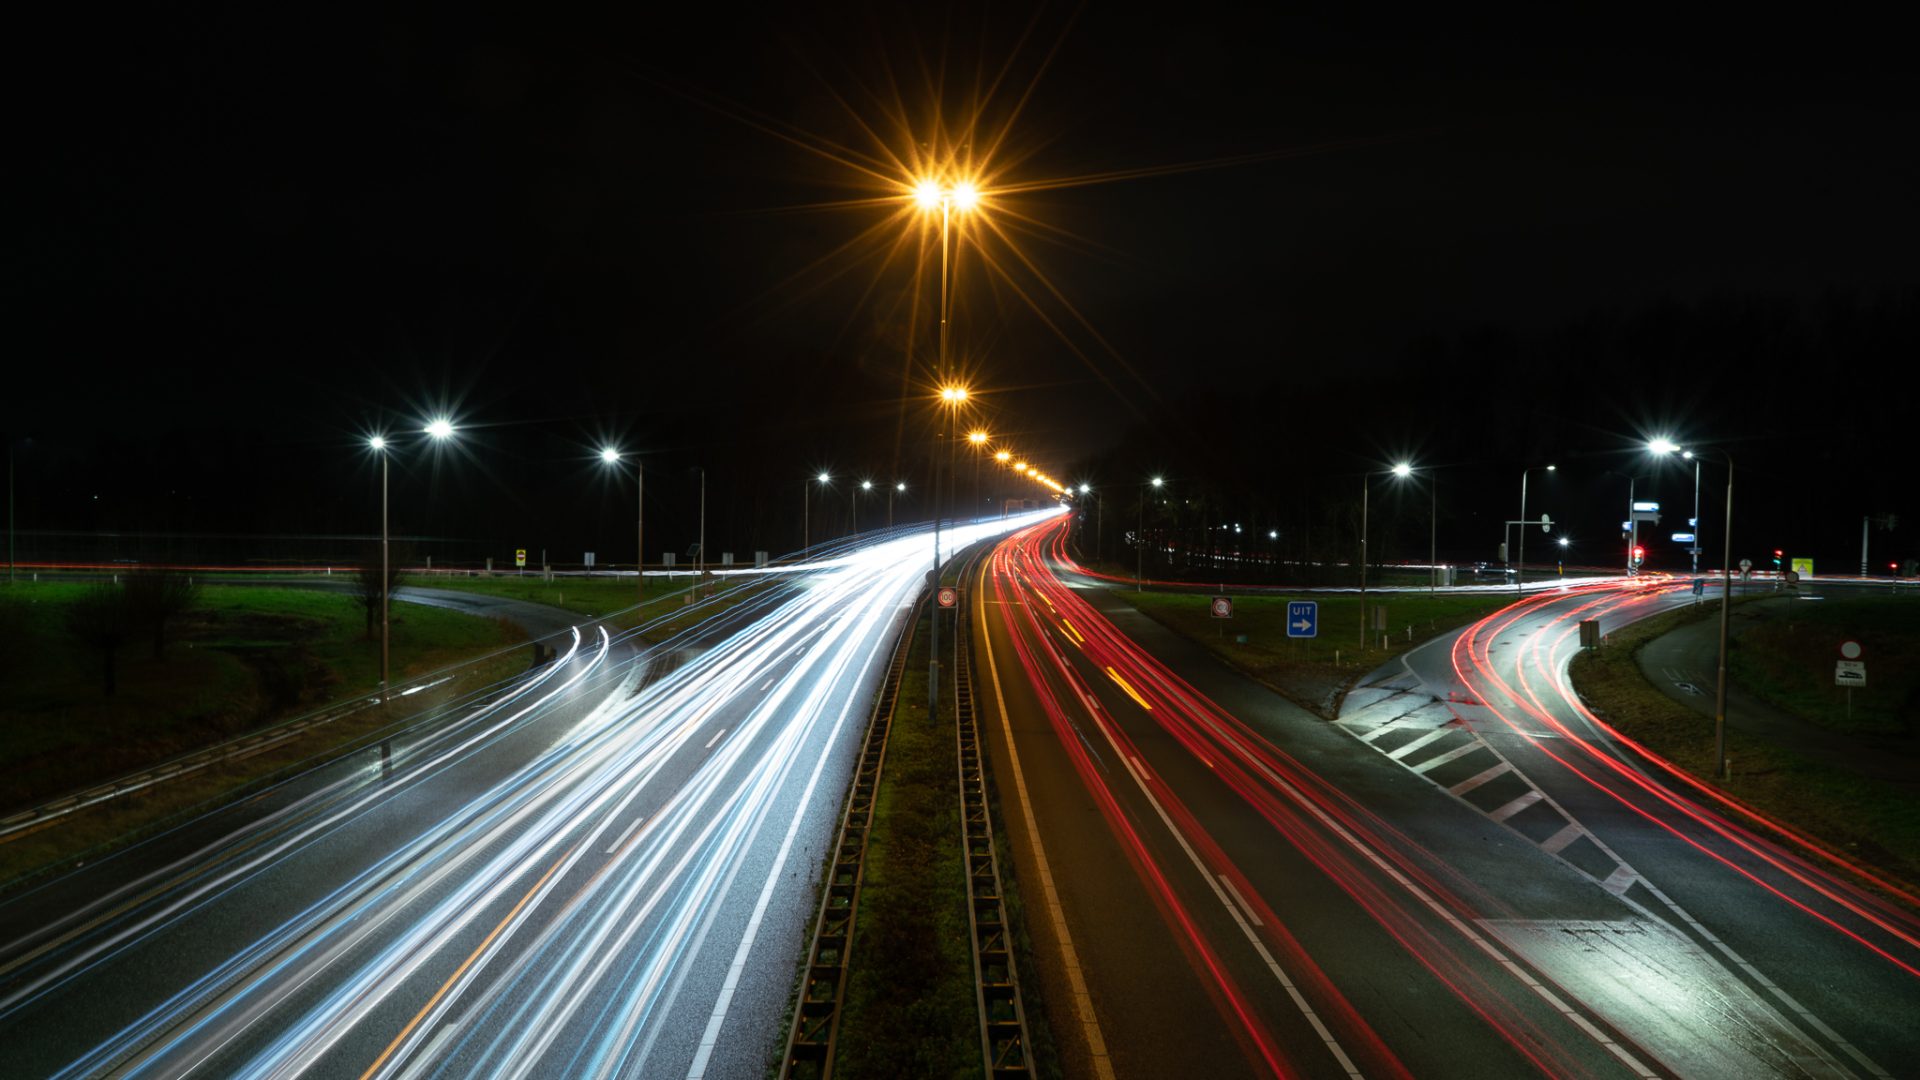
(1222, 607)
(948, 596)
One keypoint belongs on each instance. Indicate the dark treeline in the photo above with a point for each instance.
(1813, 399)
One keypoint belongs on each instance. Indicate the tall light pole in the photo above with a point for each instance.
(1694, 522)
(978, 439)
(1520, 567)
(700, 552)
(806, 509)
(440, 429)
(951, 398)
(899, 486)
(1664, 446)
(853, 507)
(1140, 540)
(611, 456)
(1401, 470)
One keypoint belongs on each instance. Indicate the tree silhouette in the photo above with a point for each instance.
(101, 620)
(369, 586)
(155, 598)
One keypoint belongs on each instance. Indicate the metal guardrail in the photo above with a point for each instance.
(816, 1017)
(1003, 1018)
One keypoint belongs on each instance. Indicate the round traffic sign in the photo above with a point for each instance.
(1223, 607)
(1850, 650)
(1746, 564)
(948, 596)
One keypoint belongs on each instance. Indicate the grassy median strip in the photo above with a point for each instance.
(1787, 657)
(910, 1007)
(1872, 821)
(1314, 672)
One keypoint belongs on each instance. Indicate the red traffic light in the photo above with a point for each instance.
(1639, 552)
(1777, 553)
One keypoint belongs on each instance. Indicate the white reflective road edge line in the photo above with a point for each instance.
(1070, 958)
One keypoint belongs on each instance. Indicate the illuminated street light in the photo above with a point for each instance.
(611, 456)
(806, 509)
(441, 429)
(1663, 446)
(1003, 456)
(977, 438)
(1366, 491)
(1520, 567)
(1140, 538)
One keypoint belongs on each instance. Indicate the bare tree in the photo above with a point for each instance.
(154, 599)
(369, 587)
(101, 621)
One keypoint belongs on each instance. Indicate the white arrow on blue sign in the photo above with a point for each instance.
(1303, 618)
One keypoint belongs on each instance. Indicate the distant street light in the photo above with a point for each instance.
(1140, 541)
(611, 457)
(806, 508)
(1520, 567)
(1401, 470)
(439, 429)
(1666, 446)
(899, 486)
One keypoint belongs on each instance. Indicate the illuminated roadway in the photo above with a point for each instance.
(1449, 881)
(604, 868)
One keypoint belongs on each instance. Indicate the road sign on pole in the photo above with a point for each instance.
(520, 558)
(1850, 650)
(1849, 673)
(1222, 607)
(948, 596)
(1303, 618)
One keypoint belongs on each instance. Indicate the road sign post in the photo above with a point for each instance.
(1303, 618)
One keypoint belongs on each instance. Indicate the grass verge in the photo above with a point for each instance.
(1868, 820)
(910, 1007)
(1314, 672)
(243, 658)
(610, 598)
(1787, 655)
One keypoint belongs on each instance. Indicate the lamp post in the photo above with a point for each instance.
(853, 507)
(806, 509)
(611, 456)
(700, 550)
(1402, 470)
(1694, 522)
(1140, 540)
(899, 486)
(951, 398)
(1520, 567)
(1664, 446)
(439, 429)
(978, 439)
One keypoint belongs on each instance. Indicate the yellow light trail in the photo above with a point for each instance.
(1138, 700)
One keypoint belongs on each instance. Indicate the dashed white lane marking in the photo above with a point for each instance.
(1137, 770)
(624, 833)
(715, 739)
(1241, 900)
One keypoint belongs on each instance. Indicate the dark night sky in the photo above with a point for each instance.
(245, 236)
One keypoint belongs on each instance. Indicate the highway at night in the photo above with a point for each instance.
(600, 869)
(1461, 876)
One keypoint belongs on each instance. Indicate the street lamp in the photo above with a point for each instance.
(440, 429)
(853, 507)
(1665, 446)
(611, 457)
(899, 486)
(1520, 567)
(806, 509)
(952, 396)
(979, 440)
(1401, 470)
(1140, 540)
